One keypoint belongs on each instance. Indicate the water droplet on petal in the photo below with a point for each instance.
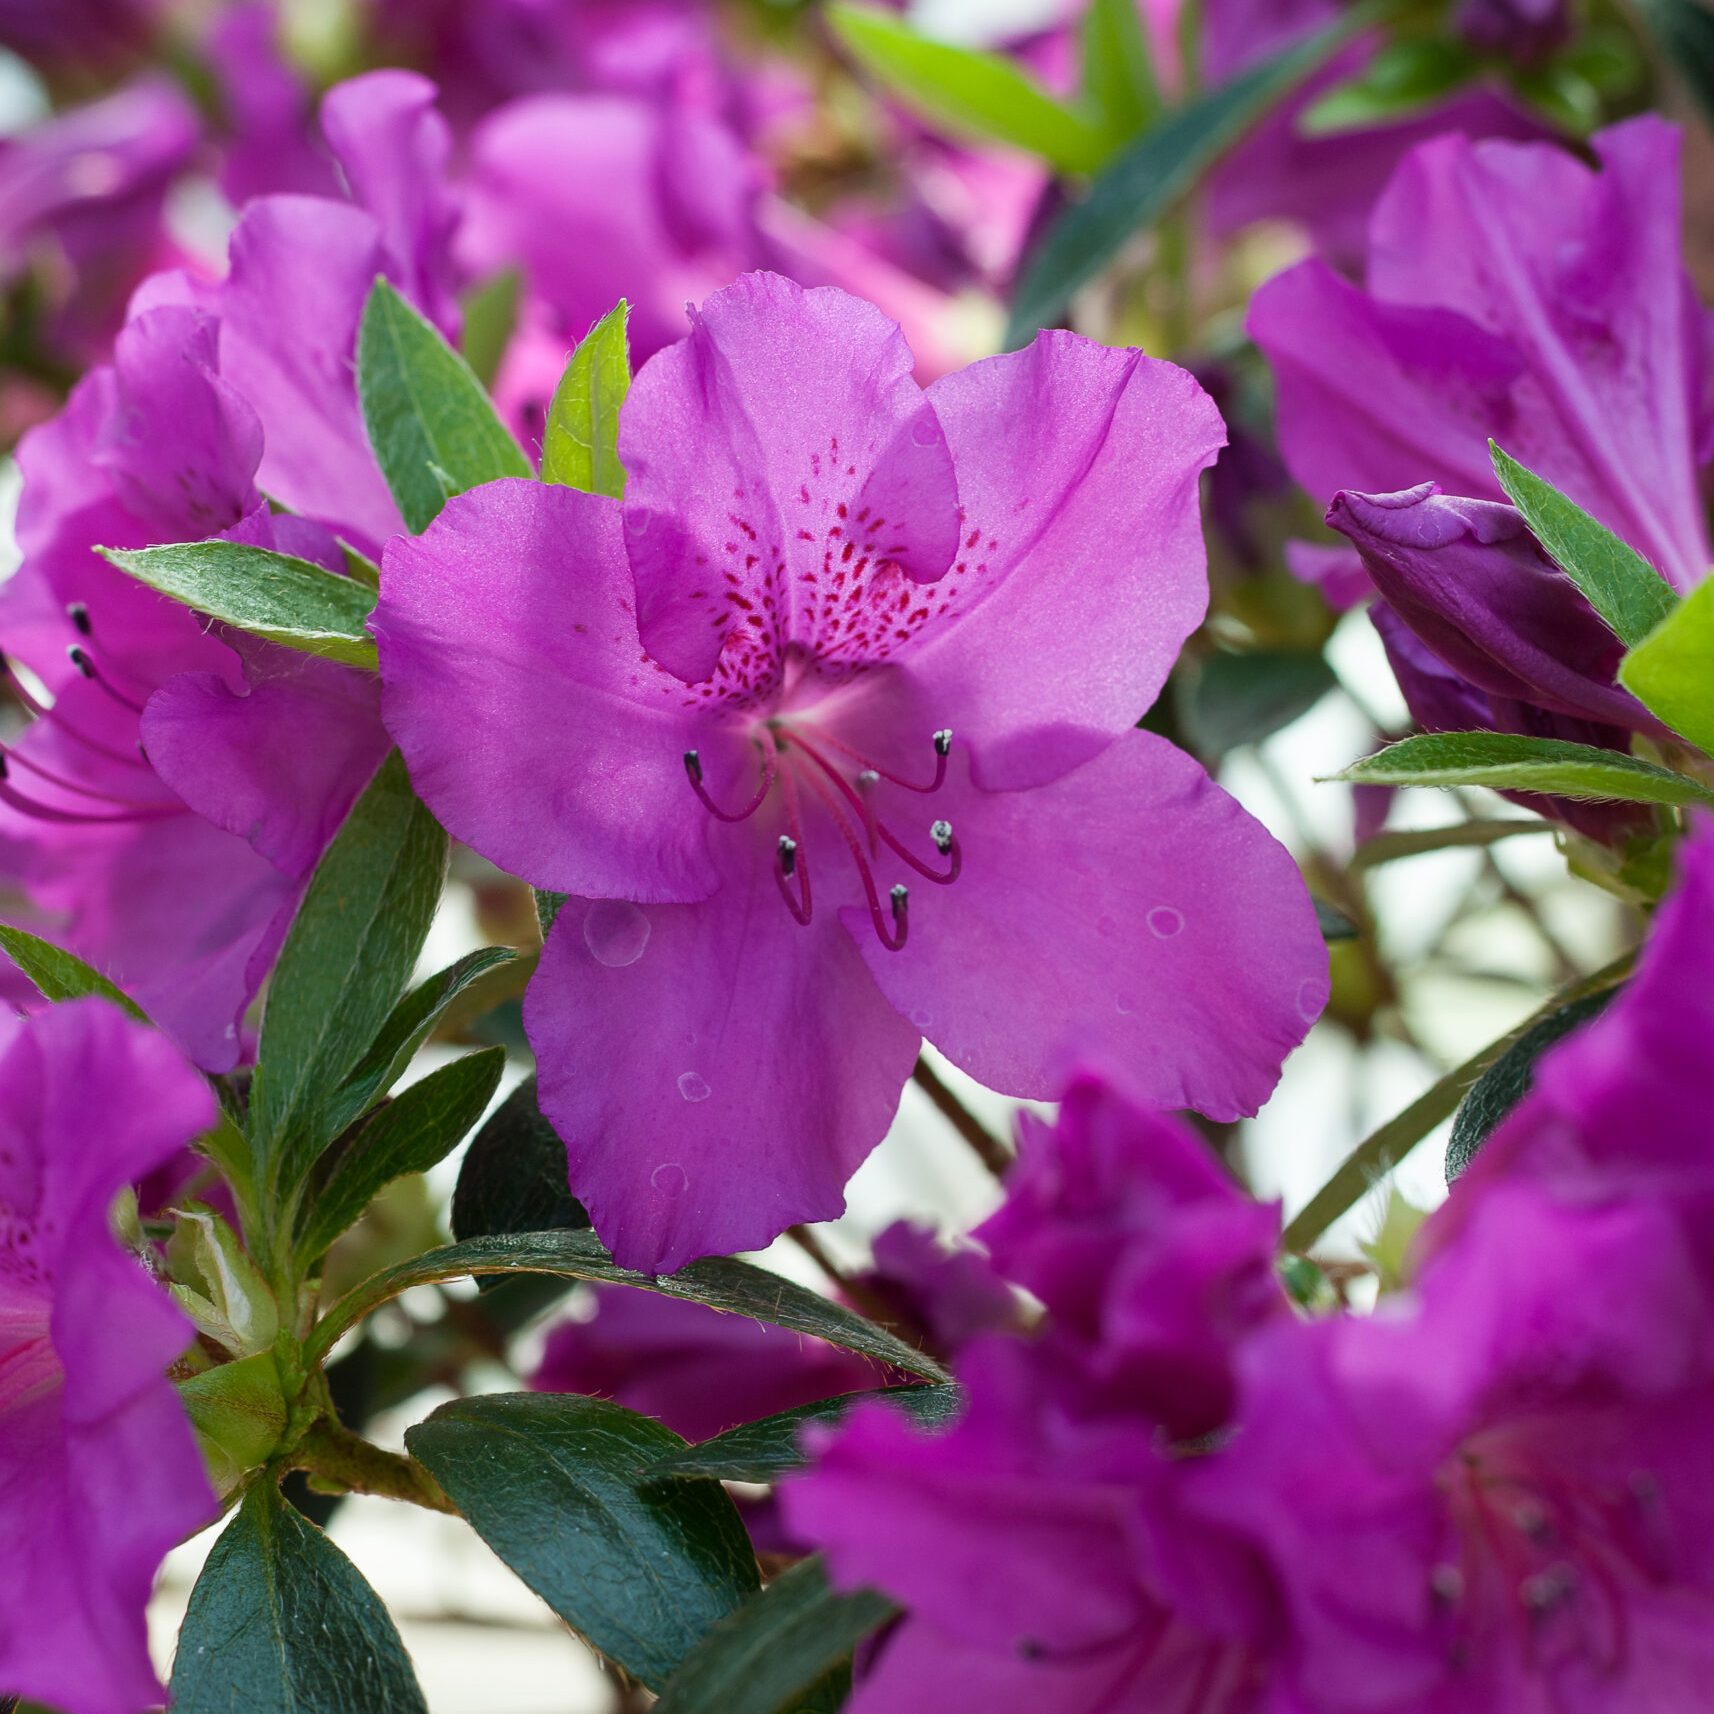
(1311, 998)
(669, 1179)
(636, 521)
(693, 1086)
(1126, 1004)
(615, 932)
(922, 1018)
(1164, 922)
(925, 431)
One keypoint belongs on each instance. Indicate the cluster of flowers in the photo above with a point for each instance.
(820, 730)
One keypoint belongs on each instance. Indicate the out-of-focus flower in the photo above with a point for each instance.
(1018, 1540)
(772, 645)
(81, 198)
(1512, 292)
(1526, 31)
(99, 1470)
(76, 33)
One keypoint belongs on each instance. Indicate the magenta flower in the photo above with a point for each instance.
(1025, 1542)
(99, 1471)
(1515, 293)
(829, 729)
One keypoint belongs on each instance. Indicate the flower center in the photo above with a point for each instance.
(807, 766)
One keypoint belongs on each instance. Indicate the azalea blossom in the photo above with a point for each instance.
(99, 1470)
(829, 730)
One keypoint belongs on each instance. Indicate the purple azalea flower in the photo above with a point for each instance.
(1512, 292)
(1018, 1540)
(719, 715)
(81, 200)
(99, 1470)
(76, 32)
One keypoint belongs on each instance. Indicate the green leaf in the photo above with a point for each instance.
(1118, 68)
(971, 93)
(58, 974)
(281, 1622)
(1629, 594)
(580, 444)
(513, 1178)
(413, 1132)
(1406, 76)
(770, 1656)
(270, 595)
(720, 1282)
(1241, 699)
(1507, 762)
(557, 1486)
(1415, 841)
(1383, 1149)
(764, 1450)
(1334, 924)
(1685, 31)
(1671, 671)
(351, 949)
(411, 1023)
(239, 1415)
(427, 415)
(490, 311)
(1507, 1081)
(1163, 165)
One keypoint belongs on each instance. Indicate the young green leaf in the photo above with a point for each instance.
(557, 1485)
(720, 1282)
(1118, 69)
(433, 428)
(1510, 763)
(1138, 186)
(351, 948)
(1671, 671)
(490, 311)
(764, 1450)
(513, 1177)
(410, 1024)
(974, 94)
(1629, 594)
(1241, 699)
(777, 1649)
(414, 1131)
(580, 444)
(281, 1622)
(58, 974)
(271, 595)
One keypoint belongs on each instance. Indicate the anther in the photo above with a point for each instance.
(869, 779)
(693, 771)
(901, 897)
(1446, 1583)
(788, 855)
(78, 614)
(941, 834)
(81, 658)
(943, 741)
(693, 766)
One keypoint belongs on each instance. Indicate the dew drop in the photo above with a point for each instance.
(1126, 1004)
(1164, 922)
(693, 1086)
(636, 521)
(925, 431)
(922, 1018)
(1311, 997)
(669, 1179)
(615, 932)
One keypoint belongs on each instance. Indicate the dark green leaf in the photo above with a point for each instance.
(580, 444)
(1507, 1081)
(547, 908)
(1241, 699)
(1333, 922)
(971, 93)
(1628, 593)
(350, 951)
(413, 1132)
(1671, 671)
(412, 1022)
(1140, 185)
(761, 1451)
(720, 1282)
(1406, 76)
(513, 1178)
(490, 314)
(58, 974)
(1118, 68)
(281, 1622)
(1510, 763)
(771, 1655)
(557, 1486)
(433, 428)
(1685, 31)
(1415, 841)
(288, 601)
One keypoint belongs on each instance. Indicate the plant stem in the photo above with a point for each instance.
(992, 1153)
(334, 1453)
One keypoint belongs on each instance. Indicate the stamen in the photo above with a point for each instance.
(942, 749)
(16, 758)
(788, 854)
(81, 658)
(892, 937)
(78, 614)
(43, 812)
(788, 866)
(50, 712)
(693, 769)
